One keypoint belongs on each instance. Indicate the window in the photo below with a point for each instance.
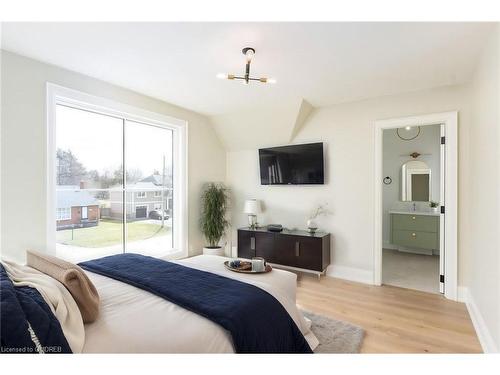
(107, 156)
(63, 214)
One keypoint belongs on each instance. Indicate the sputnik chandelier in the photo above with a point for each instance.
(249, 53)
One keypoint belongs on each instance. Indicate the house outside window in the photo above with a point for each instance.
(157, 193)
(141, 194)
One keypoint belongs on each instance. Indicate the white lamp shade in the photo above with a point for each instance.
(252, 207)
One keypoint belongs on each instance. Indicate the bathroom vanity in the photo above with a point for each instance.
(418, 230)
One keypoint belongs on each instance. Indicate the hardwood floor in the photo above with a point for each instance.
(396, 320)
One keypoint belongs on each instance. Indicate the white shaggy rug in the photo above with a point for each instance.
(335, 336)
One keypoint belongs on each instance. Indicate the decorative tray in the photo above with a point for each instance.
(246, 267)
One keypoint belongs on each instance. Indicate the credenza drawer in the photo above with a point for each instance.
(419, 239)
(421, 223)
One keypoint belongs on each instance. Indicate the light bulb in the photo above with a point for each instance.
(408, 128)
(249, 55)
(271, 80)
(221, 75)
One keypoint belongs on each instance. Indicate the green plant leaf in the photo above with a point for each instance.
(213, 215)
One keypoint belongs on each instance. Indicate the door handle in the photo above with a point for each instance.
(252, 243)
(297, 248)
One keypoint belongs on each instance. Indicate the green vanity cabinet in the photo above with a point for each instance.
(414, 230)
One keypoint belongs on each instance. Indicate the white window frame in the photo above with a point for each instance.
(67, 211)
(157, 193)
(56, 94)
(141, 194)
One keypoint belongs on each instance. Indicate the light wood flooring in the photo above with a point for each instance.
(396, 320)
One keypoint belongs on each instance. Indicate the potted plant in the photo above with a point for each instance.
(434, 206)
(213, 217)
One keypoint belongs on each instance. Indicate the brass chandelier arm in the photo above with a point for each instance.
(231, 76)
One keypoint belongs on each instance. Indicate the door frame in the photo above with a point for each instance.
(449, 120)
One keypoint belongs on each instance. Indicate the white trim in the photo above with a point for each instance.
(350, 273)
(141, 194)
(483, 334)
(450, 122)
(56, 94)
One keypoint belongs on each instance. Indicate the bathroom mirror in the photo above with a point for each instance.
(415, 181)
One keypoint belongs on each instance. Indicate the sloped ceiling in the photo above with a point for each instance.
(319, 63)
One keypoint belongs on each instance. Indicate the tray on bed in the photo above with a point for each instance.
(246, 267)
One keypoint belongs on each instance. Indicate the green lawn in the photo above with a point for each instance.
(109, 232)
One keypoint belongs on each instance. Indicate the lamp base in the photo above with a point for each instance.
(252, 221)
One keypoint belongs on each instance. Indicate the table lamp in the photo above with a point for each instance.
(252, 208)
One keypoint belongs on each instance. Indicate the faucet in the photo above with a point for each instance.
(414, 206)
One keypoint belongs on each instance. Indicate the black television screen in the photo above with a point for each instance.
(292, 165)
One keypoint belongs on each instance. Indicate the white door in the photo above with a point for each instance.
(85, 213)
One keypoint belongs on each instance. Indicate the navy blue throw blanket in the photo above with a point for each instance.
(20, 306)
(258, 323)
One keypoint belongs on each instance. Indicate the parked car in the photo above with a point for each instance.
(156, 215)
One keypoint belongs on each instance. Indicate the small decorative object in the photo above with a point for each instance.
(408, 133)
(258, 264)
(249, 52)
(213, 217)
(387, 180)
(245, 266)
(252, 208)
(312, 226)
(434, 206)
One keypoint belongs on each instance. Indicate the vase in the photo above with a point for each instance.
(312, 226)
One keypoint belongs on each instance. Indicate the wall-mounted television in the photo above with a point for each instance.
(292, 165)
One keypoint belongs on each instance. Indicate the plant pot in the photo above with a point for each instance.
(434, 209)
(216, 250)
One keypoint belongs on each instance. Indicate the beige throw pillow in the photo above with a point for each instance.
(73, 278)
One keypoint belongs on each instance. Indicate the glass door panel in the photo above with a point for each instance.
(89, 184)
(148, 189)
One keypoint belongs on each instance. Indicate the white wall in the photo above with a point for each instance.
(428, 143)
(347, 130)
(23, 148)
(483, 260)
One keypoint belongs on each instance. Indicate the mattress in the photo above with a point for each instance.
(132, 320)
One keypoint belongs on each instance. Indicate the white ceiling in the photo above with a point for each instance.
(324, 63)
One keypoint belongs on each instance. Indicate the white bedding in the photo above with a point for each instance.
(132, 320)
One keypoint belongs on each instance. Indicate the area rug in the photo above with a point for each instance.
(335, 336)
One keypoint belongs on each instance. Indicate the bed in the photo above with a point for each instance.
(133, 320)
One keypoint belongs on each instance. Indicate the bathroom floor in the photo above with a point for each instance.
(412, 271)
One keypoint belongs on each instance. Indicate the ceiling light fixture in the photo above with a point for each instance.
(249, 54)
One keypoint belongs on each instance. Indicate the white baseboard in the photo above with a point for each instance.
(350, 273)
(483, 334)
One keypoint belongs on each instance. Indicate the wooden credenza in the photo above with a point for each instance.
(294, 249)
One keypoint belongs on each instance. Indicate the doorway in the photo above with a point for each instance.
(415, 244)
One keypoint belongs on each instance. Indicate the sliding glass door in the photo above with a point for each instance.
(148, 188)
(114, 185)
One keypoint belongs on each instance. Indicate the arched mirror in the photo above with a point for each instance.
(415, 181)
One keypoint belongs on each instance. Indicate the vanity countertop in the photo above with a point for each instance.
(426, 213)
